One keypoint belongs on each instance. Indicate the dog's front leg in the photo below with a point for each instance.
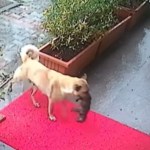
(50, 110)
(34, 90)
(50, 102)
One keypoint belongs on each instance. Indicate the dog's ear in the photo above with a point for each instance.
(77, 87)
(84, 76)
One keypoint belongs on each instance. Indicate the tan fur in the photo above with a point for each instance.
(53, 84)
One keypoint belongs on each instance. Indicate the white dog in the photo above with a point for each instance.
(53, 84)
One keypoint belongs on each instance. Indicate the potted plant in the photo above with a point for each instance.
(114, 33)
(136, 8)
(115, 30)
(77, 27)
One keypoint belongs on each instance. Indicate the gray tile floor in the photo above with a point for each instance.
(19, 26)
(5, 147)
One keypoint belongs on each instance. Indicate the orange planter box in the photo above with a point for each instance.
(72, 67)
(136, 14)
(112, 35)
(84, 58)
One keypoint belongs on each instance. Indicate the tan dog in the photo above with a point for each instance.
(51, 83)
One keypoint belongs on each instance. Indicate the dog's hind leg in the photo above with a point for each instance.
(34, 90)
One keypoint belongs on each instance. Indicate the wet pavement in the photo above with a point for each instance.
(19, 26)
(119, 81)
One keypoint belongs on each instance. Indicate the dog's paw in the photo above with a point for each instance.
(52, 118)
(37, 104)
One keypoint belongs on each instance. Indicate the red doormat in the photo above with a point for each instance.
(28, 128)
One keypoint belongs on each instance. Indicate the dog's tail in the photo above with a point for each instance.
(29, 52)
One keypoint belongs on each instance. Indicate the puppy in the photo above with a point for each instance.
(54, 85)
(84, 107)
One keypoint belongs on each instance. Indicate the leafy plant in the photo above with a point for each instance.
(76, 23)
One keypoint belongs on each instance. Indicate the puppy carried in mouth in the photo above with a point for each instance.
(54, 85)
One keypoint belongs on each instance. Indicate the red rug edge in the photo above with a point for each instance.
(11, 146)
(92, 111)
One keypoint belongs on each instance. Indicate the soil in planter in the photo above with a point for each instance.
(66, 54)
(132, 4)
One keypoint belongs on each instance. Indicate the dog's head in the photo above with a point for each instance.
(29, 51)
(81, 88)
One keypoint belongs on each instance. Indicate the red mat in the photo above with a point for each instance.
(28, 128)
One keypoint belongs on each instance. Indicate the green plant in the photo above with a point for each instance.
(76, 23)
